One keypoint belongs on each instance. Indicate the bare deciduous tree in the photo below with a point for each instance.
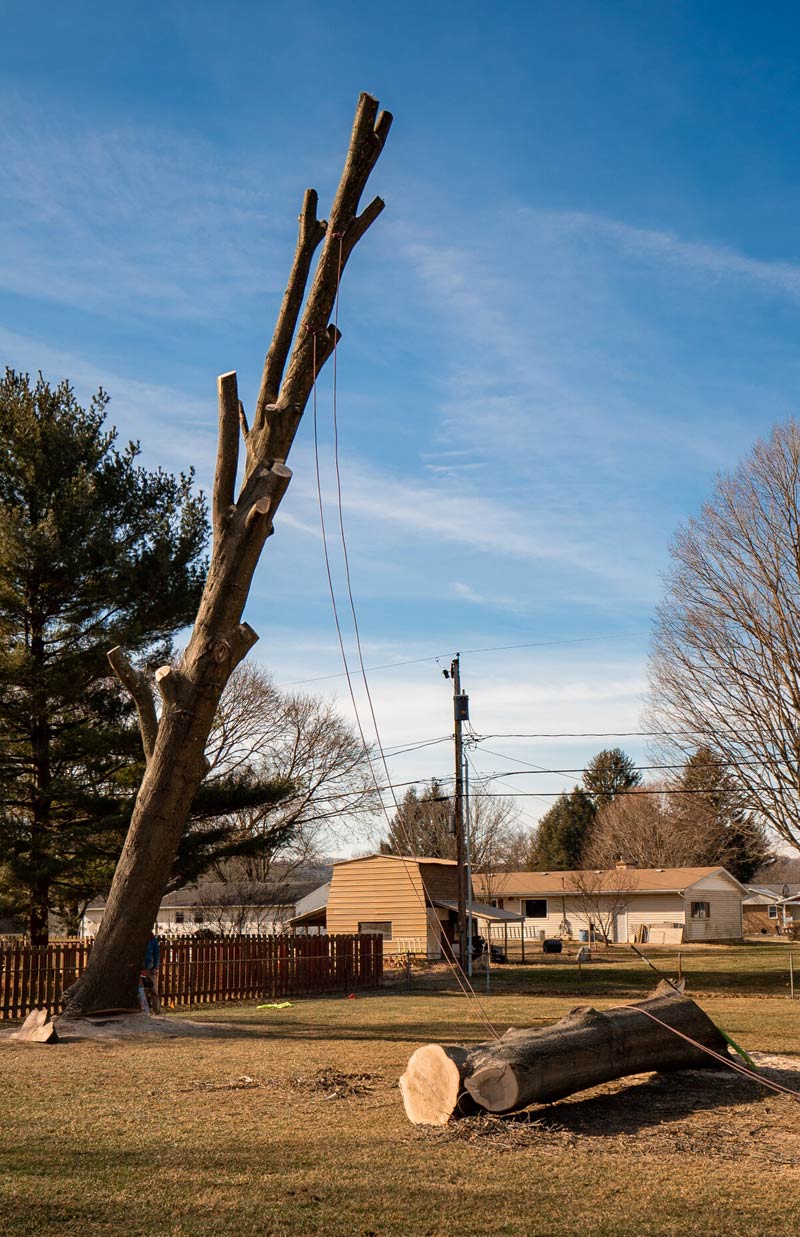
(423, 826)
(726, 659)
(639, 828)
(175, 740)
(665, 825)
(602, 896)
(291, 737)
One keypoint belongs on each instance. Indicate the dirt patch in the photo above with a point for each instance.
(712, 1113)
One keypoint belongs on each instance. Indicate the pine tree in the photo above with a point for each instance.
(711, 813)
(95, 551)
(608, 773)
(563, 831)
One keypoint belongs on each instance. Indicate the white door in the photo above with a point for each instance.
(621, 927)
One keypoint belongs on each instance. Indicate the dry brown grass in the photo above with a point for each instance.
(289, 1123)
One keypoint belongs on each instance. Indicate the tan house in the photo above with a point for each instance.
(411, 902)
(655, 905)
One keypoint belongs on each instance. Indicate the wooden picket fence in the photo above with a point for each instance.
(199, 972)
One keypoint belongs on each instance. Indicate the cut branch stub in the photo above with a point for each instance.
(167, 681)
(227, 451)
(311, 232)
(139, 688)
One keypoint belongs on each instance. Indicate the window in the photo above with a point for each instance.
(382, 927)
(536, 908)
(773, 912)
(179, 916)
(701, 910)
(198, 917)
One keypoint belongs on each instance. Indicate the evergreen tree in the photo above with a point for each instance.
(710, 812)
(563, 831)
(95, 551)
(609, 772)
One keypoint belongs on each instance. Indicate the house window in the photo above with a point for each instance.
(179, 916)
(381, 927)
(773, 912)
(198, 917)
(701, 910)
(536, 908)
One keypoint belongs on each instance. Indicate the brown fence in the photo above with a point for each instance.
(198, 972)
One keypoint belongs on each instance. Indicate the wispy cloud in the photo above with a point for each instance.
(714, 261)
(126, 219)
(452, 511)
(176, 431)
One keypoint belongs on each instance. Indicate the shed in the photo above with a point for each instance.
(411, 901)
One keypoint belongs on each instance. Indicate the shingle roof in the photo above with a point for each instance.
(638, 880)
(400, 859)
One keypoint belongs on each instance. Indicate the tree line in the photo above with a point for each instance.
(693, 819)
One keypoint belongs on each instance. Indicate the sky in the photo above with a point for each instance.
(579, 306)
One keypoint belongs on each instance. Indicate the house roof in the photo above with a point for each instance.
(208, 893)
(313, 902)
(481, 910)
(398, 858)
(636, 880)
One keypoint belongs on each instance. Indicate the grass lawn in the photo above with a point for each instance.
(289, 1122)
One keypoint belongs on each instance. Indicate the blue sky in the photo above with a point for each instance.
(581, 302)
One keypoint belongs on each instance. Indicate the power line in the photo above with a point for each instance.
(594, 734)
(497, 648)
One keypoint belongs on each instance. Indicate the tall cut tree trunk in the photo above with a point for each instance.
(303, 340)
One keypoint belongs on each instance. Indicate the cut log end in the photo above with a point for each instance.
(495, 1088)
(432, 1084)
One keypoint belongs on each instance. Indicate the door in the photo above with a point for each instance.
(621, 928)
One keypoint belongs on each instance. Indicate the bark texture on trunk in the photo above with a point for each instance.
(582, 1050)
(174, 742)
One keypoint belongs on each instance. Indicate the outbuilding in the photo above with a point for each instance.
(411, 901)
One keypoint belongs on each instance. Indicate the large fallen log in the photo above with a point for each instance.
(584, 1049)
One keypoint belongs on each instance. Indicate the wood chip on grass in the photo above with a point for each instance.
(332, 1084)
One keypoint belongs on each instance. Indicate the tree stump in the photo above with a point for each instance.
(582, 1050)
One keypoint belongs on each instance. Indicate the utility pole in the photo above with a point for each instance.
(460, 715)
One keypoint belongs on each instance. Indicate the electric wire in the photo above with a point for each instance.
(734, 1065)
(497, 648)
(461, 978)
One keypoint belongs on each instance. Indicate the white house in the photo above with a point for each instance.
(655, 905)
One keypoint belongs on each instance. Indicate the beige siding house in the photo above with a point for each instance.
(655, 905)
(411, 902)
